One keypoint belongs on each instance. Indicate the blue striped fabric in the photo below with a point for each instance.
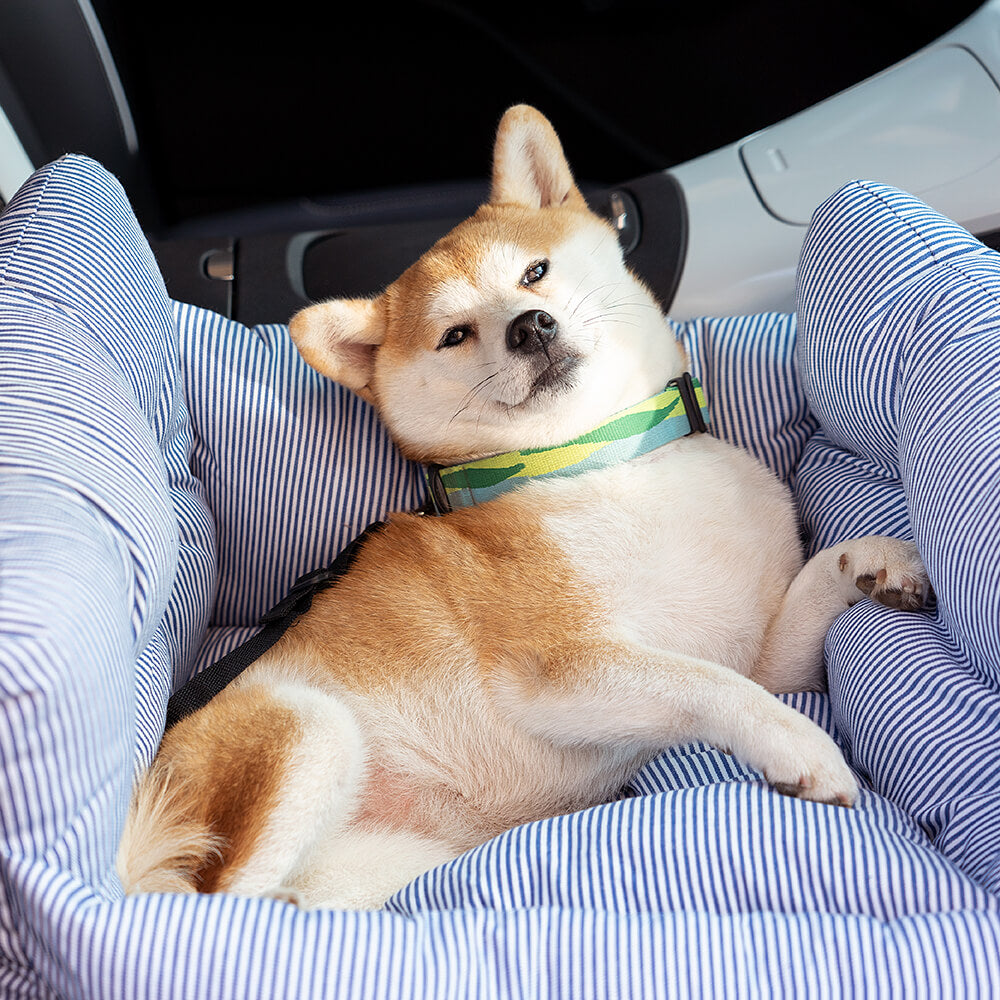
(899, 313)
(703, 882)
(747, 365)
(261, 412)
(106, 551)
(293, 466)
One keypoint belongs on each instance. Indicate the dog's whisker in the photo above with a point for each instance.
(627, 304)
(469, 397)
(572, 294)
(635, 302)
(482, 410)
(613, 310)
(600, 243)
(606, 317)
(593, 291)
(615, 318)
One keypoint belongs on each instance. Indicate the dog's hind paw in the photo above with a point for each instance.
(286, 894)
(887, 570)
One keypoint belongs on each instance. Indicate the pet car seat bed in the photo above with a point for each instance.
(165, 474)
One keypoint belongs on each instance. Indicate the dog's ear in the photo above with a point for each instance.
(529, 166)
(338, 338)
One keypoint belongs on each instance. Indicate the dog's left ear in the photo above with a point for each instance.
(529, 166)
(339, 339)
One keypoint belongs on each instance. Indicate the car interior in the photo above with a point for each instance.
(807, 188)
(274, 161)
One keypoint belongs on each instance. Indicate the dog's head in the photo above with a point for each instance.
(520, 328)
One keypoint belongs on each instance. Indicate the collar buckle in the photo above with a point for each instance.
(438, 494)
(684, 384)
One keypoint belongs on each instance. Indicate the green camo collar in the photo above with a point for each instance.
(679, 410)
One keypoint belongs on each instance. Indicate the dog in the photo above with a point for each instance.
(524, 656)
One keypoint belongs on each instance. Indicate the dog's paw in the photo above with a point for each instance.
(886, 570)
(286, 894)
(823, 777)
(805, 763)
(832, 793)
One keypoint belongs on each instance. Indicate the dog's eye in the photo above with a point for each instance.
(535, 273)
(455, 335)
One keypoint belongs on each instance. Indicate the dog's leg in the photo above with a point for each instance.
(313, 777)
(885, 569)
(620, 694)
(360, 868)
(240, 789)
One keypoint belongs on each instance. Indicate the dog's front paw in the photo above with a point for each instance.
(886, 570)
(800, 759)
(819, 775)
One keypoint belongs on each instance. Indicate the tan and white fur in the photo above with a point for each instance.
(525, 657)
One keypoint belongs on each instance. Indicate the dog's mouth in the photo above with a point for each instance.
(558, 376)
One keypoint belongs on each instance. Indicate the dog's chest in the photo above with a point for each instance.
(688, 549)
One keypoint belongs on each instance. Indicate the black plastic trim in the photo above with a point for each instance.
(58, 82)
(991, 238)
(278, 273)
(363, 260)
(182, 264)
(662, 248)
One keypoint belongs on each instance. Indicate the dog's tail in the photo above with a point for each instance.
(162, 848)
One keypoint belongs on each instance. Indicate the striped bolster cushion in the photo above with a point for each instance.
(703, 883)
(899, 349)
(293, 466)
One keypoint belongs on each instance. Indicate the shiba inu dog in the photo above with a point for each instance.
(523, 656)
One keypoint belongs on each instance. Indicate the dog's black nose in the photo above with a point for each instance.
(531, 331)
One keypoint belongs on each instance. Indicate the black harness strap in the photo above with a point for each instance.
(209, 682)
